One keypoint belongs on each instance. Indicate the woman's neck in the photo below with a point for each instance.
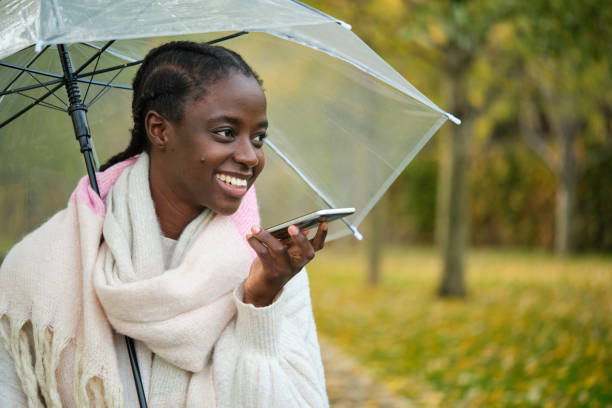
(173, 217)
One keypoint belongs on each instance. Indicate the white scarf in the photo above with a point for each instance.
(121, 284)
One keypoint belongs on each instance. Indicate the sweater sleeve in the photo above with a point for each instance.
(269, 356)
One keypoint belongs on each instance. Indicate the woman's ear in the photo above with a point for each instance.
(156, 127)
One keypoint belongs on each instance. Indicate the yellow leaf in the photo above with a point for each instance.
(437, 34)
(502, 33)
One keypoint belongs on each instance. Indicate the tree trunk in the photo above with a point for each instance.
(375, 242)
(453, 231)
(567, 176)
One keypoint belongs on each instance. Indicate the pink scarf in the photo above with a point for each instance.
(61, 297)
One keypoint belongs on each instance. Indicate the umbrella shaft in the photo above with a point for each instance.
(78, 113)
(74, 95)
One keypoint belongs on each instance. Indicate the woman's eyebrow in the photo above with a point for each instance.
(234, 121)
(225, 118)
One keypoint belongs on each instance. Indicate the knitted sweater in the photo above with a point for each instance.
(266, 357)
(258, 367)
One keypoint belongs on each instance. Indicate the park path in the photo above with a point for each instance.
(350, 386)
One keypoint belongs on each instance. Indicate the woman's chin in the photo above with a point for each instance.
(226, 208)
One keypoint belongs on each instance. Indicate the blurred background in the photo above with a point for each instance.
(485, 275)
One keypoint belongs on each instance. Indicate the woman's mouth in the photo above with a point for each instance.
(235, 186)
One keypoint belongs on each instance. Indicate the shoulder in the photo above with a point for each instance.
(44, 259)
(41, 244)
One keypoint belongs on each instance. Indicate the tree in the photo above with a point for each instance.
(454, 36)
(560, 53)
(449, 37)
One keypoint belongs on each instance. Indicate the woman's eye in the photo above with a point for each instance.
(258, 140)
(225, 133)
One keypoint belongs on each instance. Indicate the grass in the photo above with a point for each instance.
(535, 331)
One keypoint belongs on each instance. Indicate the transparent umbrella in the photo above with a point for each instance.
(343, 123)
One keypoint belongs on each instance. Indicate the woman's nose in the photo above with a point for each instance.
(245, 152)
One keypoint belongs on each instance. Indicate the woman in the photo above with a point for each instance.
(173, 257)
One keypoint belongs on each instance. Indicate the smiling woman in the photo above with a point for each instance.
(172, 256)
(226, 128)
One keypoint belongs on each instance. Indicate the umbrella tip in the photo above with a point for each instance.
(454, 119)
(356, 233)
(344, 25)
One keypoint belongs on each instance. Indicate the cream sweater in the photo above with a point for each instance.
(270, 356)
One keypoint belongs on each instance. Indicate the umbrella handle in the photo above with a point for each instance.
(142, 399)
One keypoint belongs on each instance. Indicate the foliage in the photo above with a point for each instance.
(546, 57)
(536, 331)
(594, 224)
(511, 194)
(412, 200)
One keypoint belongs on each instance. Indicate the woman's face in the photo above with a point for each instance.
(226, 128)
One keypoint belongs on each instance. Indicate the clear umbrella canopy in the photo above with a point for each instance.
(343, 123)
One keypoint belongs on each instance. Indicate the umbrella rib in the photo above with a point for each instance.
(28, 65)
(93, 57)
(53, 93)
(91, 79)
(104, 89)
(227, 37)
(27, 88)
(113, 53)
(110, 69)
(31, 70)
(119, 86)
(319, 12)
(98, 96)
(138, 62)
(310, 184)
(30, 106)
(42, 103)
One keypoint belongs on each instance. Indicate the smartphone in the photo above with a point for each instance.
(309, 221)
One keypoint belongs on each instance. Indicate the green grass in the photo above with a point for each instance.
(535, 331)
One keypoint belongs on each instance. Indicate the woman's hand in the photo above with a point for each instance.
(278, 261)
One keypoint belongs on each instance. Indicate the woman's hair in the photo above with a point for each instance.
(171, 76)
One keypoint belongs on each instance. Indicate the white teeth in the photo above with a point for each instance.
(232, 180)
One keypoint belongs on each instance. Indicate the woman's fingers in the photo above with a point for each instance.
(260, 249)
(276, 257)
(290, 254)
(267, 239)
(319, 239)
(301, 245)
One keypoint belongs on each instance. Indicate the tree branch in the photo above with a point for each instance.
(531, 133)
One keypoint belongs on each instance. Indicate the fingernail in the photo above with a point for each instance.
(256, 229)
(248, 236)
(293, 230)
(324, 226)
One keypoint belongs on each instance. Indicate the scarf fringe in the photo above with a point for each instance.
(22, 339)
(90, 390)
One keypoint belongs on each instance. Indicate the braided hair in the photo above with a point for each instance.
(171, 76)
